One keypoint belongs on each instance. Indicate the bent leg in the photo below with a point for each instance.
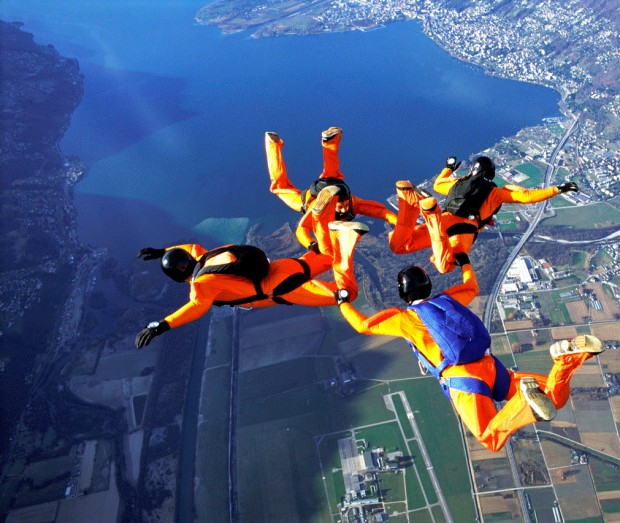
(461, 232)
(442, 256)
(331, 163)
(407, 235)
(345, 236)
(280, 184)
(490, 427)
(557, 385)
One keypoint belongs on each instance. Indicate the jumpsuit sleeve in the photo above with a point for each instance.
(513, 194)
(373, 209)
(465, 292)
(304, 230)
(202, 296)
(444, 182)
(516, 194)
(386, 322)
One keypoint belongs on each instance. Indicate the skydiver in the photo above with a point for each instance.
(301, 201)
(284, 281)
(461, 230)
(475, 386)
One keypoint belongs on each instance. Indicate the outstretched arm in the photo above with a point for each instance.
(386, 322)
(373, 209)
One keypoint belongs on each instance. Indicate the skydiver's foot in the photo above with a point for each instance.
(406, 191)
(539, 402)
(324, 197)
(358, 227)
(579, 344)
(329, 134)
(428, 204)
(273, 137)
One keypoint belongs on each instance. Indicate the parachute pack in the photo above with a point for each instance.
(321, 183)
(251, 263)
(459, 333)
(467, 195)
(462, 338)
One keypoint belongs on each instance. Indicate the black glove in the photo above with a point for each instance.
(568, 186)
(314, 247)
(342, 296)
(155, 328)
(149, 253)
(461, 258)
(452, 164)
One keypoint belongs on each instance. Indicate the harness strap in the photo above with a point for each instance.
(461, 228)
(292, 282)
(470, 385)
(465, 384)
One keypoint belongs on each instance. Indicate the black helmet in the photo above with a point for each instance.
(484, 165)
(344, 193)
(414, 284)
(178, 264)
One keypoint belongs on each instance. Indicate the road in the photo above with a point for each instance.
(549, 173)
(488, 310)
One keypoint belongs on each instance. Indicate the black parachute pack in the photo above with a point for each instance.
(467, 195)
(251, 263)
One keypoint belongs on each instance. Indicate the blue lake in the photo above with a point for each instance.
(172, 120)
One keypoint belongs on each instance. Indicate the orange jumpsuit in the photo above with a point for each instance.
(218, 287)
(302, 202)
(477, 411)
(408, 236)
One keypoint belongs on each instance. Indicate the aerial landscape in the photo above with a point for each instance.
(286, 413)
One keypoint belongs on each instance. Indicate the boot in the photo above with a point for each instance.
(539, 402)
(331, 134)
(323, 199)
(272, 137)
(344, 237)
(579, 344)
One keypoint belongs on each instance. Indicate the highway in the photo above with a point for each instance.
(488, 310)
(549, 174)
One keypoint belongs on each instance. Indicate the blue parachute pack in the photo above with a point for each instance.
(462, 338)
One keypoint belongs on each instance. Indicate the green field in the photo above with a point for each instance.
(534, 174)
(598, 215)
(289, 422)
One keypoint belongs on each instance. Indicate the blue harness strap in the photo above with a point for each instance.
(469, 384)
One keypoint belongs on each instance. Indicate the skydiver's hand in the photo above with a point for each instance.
(452, 164)
(461, 258)
(342, 296)
(568, 186)
(155, 328)
(314, 247)
(149, 253)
